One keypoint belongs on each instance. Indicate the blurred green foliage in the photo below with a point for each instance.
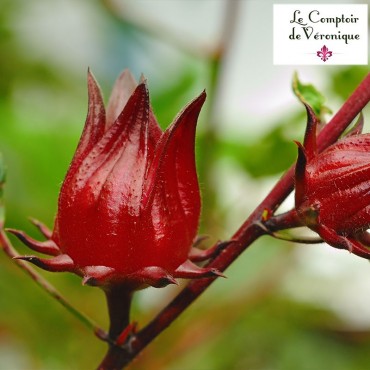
(240, 323)
(2, 184)
(346, 80)
(255, 157)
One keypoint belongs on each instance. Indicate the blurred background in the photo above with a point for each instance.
(282, 306)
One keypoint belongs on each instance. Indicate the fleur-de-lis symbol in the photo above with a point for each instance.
(324, 53)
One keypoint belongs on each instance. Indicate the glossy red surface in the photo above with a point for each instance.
(333, 188)
(129, 206)
(131, 197)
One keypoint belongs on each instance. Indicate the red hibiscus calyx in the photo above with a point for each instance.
(332, 195)
(129, 206)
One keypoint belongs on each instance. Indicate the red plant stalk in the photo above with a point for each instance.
(120, 356)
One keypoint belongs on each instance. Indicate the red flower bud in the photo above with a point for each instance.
(129, 206)
(333, 188)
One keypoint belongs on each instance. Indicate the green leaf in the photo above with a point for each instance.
(308, 94)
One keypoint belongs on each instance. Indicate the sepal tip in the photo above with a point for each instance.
(46, 247)
(61, 263)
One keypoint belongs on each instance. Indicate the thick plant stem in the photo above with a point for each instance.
(115, 359)
(119, 303)
(247, 233)
(287, 220)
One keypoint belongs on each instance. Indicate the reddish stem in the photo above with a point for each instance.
(287, 220)
(246, 234)
(119, 304)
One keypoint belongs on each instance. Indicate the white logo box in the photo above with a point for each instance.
(320, 34)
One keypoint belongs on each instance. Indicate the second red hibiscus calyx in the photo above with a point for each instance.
(333, 188)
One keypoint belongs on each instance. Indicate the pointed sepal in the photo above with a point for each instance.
(341, 242)
(154, 276)
(188, 270)
(102, 276)
(94, 125)
(97, 275)
(310, 134)
(47, 247)
(123, 88)
(61, 263)
(198, 255)
(359, 249)
(172, 182)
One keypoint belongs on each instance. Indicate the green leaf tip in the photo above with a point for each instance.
(308, 94)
